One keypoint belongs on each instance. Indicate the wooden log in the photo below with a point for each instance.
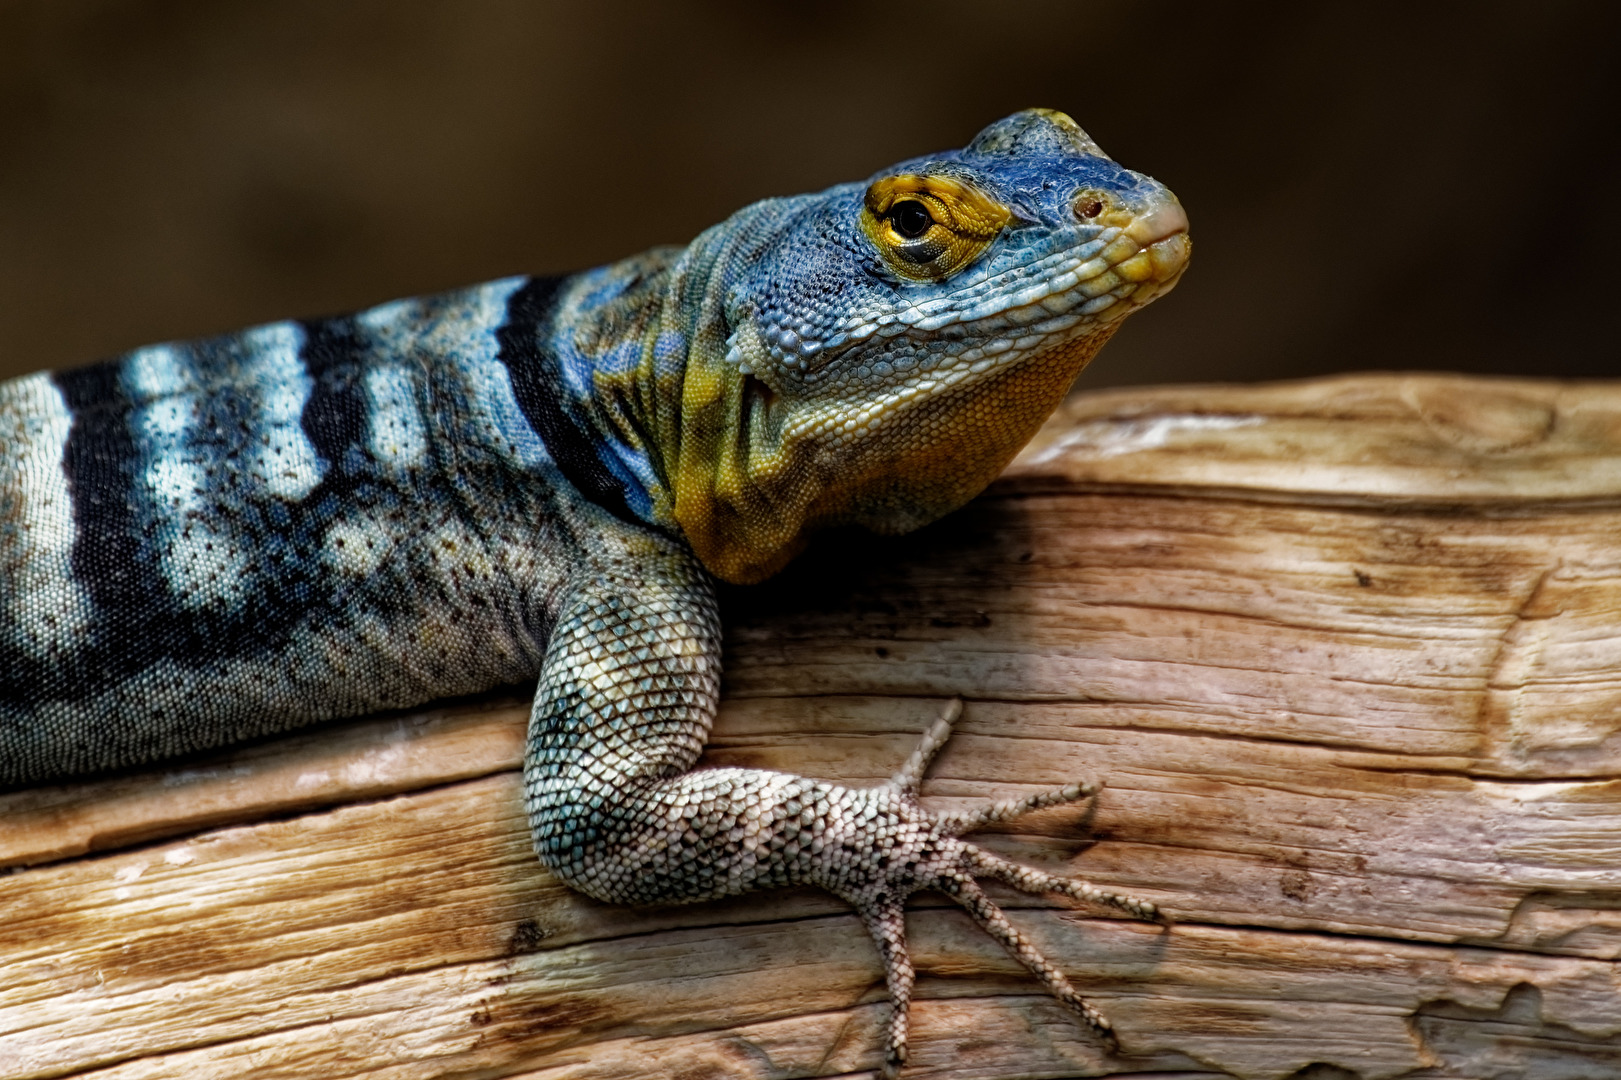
(1347, 654)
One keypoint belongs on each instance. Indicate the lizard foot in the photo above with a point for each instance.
(922, 851)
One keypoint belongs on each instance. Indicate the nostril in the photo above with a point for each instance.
(1088, 206)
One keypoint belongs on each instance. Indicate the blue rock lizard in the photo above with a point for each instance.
(538, 478)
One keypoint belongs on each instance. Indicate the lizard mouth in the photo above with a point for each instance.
(1165, 220)
(1140, 258)
(1162, 233)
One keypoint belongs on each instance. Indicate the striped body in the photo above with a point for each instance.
(202, 543)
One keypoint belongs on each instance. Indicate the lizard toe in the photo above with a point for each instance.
(908, 850)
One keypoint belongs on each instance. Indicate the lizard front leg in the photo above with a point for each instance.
(627, 695)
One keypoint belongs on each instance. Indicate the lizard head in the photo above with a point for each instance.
(878, 352)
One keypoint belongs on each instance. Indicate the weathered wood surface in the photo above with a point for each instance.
(1347, 653)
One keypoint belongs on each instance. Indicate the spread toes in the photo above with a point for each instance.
(930, 855)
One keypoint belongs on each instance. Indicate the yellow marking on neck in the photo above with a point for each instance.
(747, 502)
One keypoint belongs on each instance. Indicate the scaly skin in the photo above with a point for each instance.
(212, 541)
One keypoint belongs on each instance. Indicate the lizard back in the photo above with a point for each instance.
(210, 541)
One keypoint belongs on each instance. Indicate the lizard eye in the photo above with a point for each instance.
(927, 228)
(910, 218)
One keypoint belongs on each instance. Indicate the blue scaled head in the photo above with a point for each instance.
(890, 345)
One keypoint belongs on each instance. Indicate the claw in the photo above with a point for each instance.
(1027, 879)
(910, 776)
(995, 923)
(954, 865)
(1007, 809)
(886, 922)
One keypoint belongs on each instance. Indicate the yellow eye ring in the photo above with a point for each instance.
(927, 228)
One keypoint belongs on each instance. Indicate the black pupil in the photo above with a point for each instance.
(911, 219)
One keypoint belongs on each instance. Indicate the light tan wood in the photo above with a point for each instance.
(1347, 654)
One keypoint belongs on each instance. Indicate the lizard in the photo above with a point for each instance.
(539, 479)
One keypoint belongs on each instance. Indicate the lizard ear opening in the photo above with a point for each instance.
(927, 228)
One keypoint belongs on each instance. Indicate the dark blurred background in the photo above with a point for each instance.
(1412, 186)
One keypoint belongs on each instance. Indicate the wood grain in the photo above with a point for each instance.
(1346, 653)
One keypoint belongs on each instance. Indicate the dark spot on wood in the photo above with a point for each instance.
(517, 1025)
(526, 937)
(1363, 579)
